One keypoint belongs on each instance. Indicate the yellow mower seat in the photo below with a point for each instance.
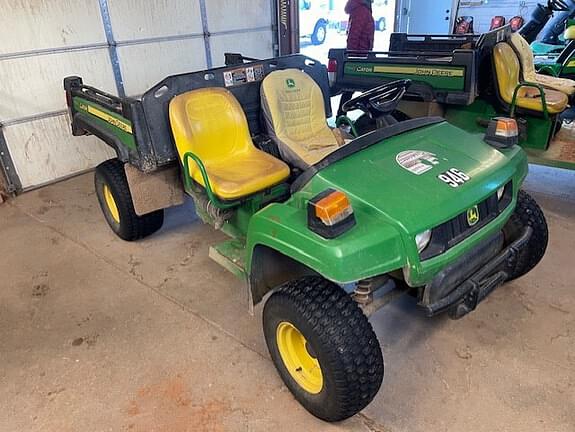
(294, 110)
(525, 53)
(507, 69)
(211, 124)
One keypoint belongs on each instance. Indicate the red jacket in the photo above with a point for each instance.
(361, 27)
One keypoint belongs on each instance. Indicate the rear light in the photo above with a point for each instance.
(332, 65)
(330, 214)
(502, 132)
(332, 71)
(69, 101)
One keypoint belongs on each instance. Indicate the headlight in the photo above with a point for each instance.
(500, 193)
(422, 240)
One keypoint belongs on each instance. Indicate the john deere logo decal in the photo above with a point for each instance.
(290, 83)
(473, 216)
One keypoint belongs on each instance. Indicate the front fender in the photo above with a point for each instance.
(368, 249)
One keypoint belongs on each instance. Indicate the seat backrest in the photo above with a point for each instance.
(525, 53)
(294, 111)
(294, 103)
(507, 70)
(210, 123)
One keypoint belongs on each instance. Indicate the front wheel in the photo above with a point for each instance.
(381, 24)
(319, 33)
(115, 200)
(323, 347)
(527, 213)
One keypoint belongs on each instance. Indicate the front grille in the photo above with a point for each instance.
(454, 231)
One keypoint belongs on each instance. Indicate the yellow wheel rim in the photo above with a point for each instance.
(294, 351)
(111, 203)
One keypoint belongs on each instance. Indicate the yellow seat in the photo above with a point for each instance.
(211, 124)
(294, 110)
(525, 53)
(507, 69)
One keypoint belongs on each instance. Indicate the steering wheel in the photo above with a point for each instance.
(380, 100)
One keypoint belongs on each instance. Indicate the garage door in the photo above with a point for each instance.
(120, 46)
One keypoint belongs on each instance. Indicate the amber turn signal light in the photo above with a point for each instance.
(502, 132)
(330, 213)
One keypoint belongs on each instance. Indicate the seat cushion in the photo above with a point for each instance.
(293, 106)
(246, 174)
(528, 98)
(525, 53)
(210, 123)
(507, 69)
(563, 85)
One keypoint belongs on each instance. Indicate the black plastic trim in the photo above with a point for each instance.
(317, 226)
(467, 291)
(455, 230)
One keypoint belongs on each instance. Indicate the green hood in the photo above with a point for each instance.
(377, 184)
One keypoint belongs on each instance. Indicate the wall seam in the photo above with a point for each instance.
(205, 28)
(112, 48)
(7, 165)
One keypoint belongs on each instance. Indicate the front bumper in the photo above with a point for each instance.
(461, 286)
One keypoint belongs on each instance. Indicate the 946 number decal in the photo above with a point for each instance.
(454, 177)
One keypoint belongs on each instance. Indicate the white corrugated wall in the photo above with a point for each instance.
(120, 46)
(483, 11)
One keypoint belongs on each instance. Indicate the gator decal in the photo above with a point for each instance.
(120, 126)
(126, 127)
(444, 77)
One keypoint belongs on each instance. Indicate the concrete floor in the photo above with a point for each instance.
(97, 334)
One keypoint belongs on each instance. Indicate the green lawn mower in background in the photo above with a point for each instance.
(325, 226)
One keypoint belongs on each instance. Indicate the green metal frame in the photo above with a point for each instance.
(189, 182)
(548, 70)
(345, 120)
(541, 96)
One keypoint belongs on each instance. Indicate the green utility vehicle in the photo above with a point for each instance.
(561, 63)
(469, 80)
(327, 227)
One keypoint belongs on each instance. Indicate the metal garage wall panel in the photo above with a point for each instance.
(252, 44)
(145, 65)
(44, 150)
(134, 19)
(39, 24)
(224, 15)
(33, 85)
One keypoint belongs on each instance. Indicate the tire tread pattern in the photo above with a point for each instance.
(528, 213)
(132, 227)
(347, 336)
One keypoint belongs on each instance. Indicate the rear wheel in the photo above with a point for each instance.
(319, 33)
(527, 213)
(115, 200)
(324, 348)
